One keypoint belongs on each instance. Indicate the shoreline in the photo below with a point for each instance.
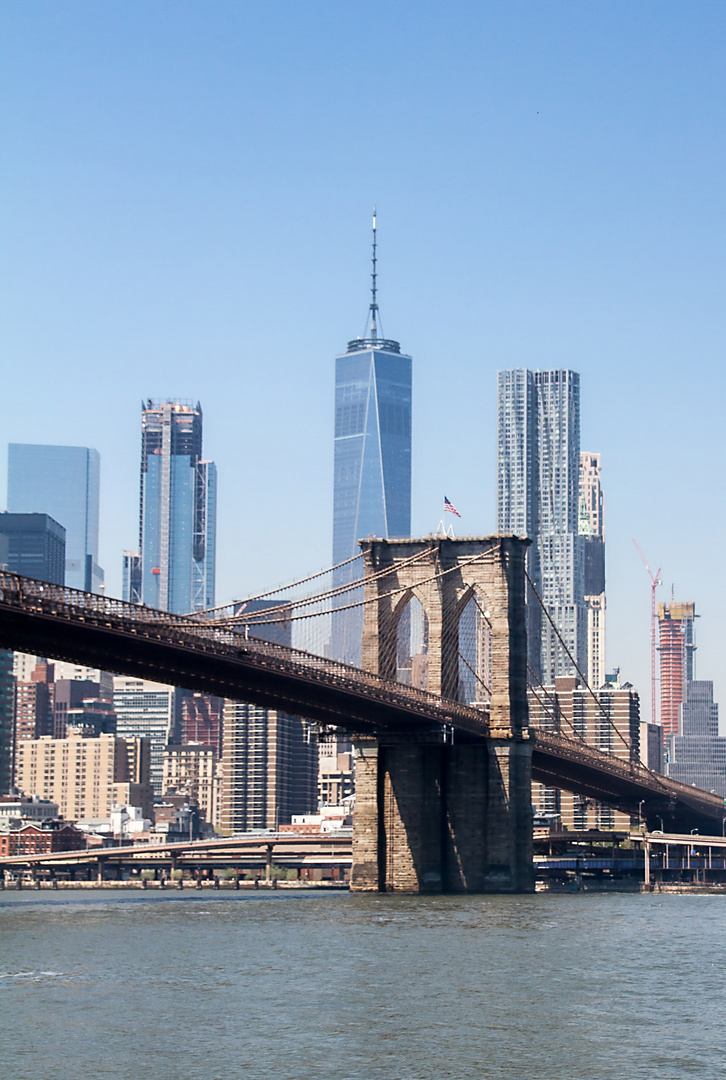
(186, 886)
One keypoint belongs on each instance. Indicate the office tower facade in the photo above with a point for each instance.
(84, 776)
(7, 720)
(591, 527)
(372, 466)
(538, 487)
(336, 771)
(676, 646)
(608, 721)
(269, 768)
(697, 754)
(178, 511)
(36, 546)
(64, 482)
(652, 751)
(7, 698)
(201, 720)
(131, 580)
(104, 679)
(35, 704)
(148, 710)
(71, 695)
(92, 716)
(193, 771)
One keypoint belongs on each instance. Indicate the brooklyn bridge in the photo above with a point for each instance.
(443, 778)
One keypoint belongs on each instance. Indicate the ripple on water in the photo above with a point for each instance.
(366, 988)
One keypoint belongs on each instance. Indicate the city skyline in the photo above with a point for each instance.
(222, 810)
(549, 193)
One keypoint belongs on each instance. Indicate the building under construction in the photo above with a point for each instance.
(676, 646)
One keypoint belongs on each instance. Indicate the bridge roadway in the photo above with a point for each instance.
(85, 628)
(186, 651)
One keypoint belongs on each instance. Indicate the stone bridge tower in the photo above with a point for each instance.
(444, 812)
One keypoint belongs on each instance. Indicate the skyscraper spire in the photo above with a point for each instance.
(374, 305)
(372, 336)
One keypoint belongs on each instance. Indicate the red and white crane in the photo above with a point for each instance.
(655, 581)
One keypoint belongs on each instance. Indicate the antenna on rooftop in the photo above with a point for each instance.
(374, 290)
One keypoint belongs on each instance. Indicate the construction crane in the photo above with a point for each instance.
(655, 581)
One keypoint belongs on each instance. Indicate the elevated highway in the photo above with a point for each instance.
(256, 850)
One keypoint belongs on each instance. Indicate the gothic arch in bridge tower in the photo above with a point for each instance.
(444, 574)
(432, 814)
(412, 631)
(475, 646)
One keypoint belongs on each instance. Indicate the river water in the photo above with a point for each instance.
(311, 985)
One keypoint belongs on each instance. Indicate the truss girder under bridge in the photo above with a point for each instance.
(130, 639)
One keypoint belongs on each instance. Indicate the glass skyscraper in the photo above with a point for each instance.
(372, 474)
(178, 511)
(697, 753)
(64, 482)
(33, 545)
(538, 489)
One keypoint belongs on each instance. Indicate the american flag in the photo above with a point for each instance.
(450, 507)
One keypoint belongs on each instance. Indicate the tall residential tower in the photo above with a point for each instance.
(372, 475)
(177, 511)
(591, 526)
(538, 490)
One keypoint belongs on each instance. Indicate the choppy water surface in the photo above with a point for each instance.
(311, 985)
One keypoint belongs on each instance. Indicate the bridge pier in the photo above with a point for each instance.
(433, 817)
(437, 812)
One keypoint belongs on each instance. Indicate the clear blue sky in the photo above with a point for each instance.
(185, 208)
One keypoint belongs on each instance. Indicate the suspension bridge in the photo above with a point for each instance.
(437, 711)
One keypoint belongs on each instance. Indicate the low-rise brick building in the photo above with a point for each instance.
(40, 838)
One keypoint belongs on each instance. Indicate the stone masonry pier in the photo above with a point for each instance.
(442, 812)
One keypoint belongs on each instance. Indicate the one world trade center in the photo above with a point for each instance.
(372, 476)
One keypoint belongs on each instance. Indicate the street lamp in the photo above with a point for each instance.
(640, 812)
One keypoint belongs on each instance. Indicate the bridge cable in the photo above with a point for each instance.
(476, 676)
(585, 683)
(281, 588)
(262, 616)
(599, 704)
(554, 711)
(358, 603)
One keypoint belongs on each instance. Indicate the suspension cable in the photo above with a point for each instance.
(589, 689)
(477, 677)
(549, 713)
(262, 617)
(553, 710)
(585, 683)
(282, 588)
(484, 555)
